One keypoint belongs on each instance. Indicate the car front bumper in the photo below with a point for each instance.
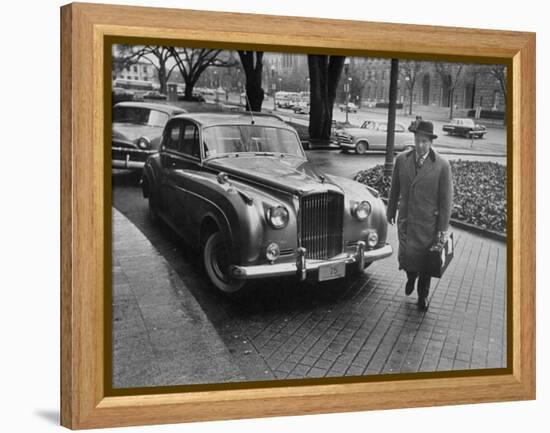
(345, 142)
(130, 158)
(360, 256)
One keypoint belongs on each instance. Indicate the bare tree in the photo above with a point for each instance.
(410, 70)
(451, 75)
(252, 62)
(157, 56)
(324, 74)
(500, 73)
(192, 62)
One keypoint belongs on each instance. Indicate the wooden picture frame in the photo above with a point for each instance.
(84, 238)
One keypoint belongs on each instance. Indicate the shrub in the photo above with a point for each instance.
(479, 191)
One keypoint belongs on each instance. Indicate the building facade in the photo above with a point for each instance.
(141, 71)
(474, 86)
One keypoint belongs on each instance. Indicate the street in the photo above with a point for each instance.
(494, 141)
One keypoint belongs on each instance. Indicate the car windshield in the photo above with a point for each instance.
(369, 124)
(140, 116)
(465, 122)
(231, 139)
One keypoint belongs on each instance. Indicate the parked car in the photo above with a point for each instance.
(239, 188)
(120, 94)
(301, 107)
(136, 131)
(351, 107)
(153, 94)
(465, 127)
(372, 136)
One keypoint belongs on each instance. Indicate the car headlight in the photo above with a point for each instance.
(361, 210)
(277, 217)
(272, 252)
(372, 239)
(144, 143)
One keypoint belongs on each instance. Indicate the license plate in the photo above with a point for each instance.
(332, 271)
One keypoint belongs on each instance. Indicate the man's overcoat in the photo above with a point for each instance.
(422, 198)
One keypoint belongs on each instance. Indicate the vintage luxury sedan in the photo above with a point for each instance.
(136, 131)
(239, 187)
(372, 136)
(465, 127)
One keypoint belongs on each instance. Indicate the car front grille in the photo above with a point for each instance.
(321, 228)
(343, 139)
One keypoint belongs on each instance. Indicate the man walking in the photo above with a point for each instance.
(422, 195)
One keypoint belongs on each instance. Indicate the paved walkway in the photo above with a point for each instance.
(374, 328)
(161, 336)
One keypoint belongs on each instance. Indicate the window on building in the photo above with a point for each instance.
(135, 69)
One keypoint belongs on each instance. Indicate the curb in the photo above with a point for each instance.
(160, 334)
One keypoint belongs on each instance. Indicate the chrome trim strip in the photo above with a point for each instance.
(134, 150)
(120, 163)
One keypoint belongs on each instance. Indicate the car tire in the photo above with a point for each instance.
(361, 147)
(215, 260)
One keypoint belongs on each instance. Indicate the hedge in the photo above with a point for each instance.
(479, 191)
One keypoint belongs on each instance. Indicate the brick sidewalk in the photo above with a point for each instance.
(161, 336)
(374, 328)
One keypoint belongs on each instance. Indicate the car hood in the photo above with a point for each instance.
(132, 132)
(292, 175)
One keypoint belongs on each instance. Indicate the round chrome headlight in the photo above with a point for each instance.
(272, 252)
(362, 210)
(277, 217)
(372, 239)
(144, 143)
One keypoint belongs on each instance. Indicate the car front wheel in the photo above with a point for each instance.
(215, 257)
(361, 147)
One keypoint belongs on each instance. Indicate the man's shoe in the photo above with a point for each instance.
(409, 287)
(423, 304)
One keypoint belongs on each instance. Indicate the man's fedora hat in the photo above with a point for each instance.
(426, 128)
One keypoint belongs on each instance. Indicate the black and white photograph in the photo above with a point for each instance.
(285, 216)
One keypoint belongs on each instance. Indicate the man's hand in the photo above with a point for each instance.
(442, 236)
(391, 219)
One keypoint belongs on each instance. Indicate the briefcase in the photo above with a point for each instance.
(439, 256)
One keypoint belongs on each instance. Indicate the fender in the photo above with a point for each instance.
(149, 177)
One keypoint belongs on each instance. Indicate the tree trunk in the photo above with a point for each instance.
(411, 92)
(324, 74)
(451, 103)
(162, 76)
(252, 66)
(189, 86)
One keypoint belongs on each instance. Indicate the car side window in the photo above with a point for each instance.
(172, 135)
(190, 141)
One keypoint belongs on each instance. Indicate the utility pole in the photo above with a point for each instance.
(347, 86)
(390, 134)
